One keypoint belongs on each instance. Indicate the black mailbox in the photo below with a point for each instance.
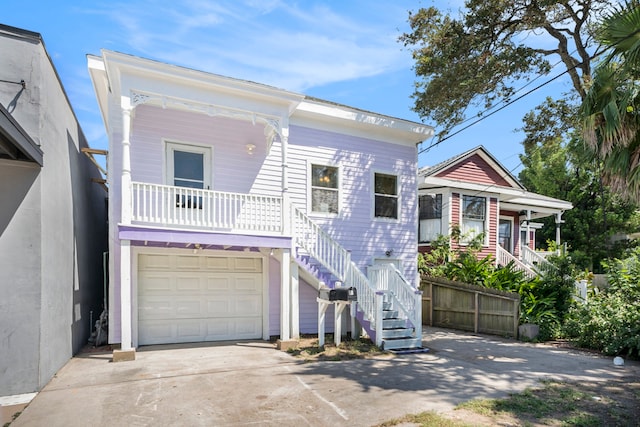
(338, 294)
(343, 294)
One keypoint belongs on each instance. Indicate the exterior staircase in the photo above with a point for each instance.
(388, 308)
(532, 264)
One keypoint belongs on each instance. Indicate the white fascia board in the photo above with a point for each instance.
(151, 76)
(98, 75)
(329, 116)
(508, 196)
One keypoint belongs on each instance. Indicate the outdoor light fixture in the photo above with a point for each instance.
(250, 149)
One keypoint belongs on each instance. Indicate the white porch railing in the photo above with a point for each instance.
(408, 299)
(535, 260)
(190, 207)
(503, 257)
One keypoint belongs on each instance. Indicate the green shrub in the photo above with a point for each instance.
(610, 320)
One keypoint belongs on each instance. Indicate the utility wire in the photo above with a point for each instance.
(508, 103)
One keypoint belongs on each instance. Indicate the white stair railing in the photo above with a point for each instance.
(406, 298)
(504, 257)
(319, 245)
(534, 260)
(323, 248)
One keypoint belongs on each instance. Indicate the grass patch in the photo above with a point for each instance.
(426, 419)
(563, 404)
(555, 403)
(309, 350)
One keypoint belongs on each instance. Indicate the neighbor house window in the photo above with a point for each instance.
(386, 196)
(430, 226)
(325, 194)
(473, 216)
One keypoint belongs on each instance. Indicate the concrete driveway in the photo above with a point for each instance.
(251, 383)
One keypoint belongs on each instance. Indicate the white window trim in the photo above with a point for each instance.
(373, 196)
(442, 213)
(172, 144)
(513, 231)
(487, 210)
(310, 211)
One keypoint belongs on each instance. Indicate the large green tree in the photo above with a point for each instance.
(479, 57)
(566, 171)
(611, 108)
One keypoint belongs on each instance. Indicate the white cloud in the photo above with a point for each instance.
(271, 42)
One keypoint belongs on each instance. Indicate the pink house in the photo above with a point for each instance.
(475, 192)
(232, 204)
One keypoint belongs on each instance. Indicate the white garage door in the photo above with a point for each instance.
(191, 298)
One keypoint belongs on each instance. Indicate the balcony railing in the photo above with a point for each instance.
(171, 206)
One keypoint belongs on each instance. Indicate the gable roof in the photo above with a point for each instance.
(441, 168)
(456, 174)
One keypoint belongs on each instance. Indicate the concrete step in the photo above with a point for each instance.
(393, 323)
(401, 343)
(397, 333)
(390, 314)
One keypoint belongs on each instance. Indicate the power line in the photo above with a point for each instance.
(508, 103)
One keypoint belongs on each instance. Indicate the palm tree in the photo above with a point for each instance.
(611, 109)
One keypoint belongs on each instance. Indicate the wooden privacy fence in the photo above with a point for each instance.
(457, 305)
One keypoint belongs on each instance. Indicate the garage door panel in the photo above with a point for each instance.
(218, 307)
(218, 283)
(157, 283)
(194, 303)
(247, 305)
(218, 263)
(187, 262)
(188, 283)
(247, 264)
(156, 262)
(247, 284)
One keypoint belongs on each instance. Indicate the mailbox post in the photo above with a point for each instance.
(341, 297)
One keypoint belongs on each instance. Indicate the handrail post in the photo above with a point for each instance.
(378, 314)
(418, 313)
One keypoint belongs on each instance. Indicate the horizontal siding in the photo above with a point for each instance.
(358, 159)
(474, 169)
(233, 169)
(309, 311)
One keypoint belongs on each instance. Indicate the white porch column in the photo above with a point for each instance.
(126, 352)
(125, 191)
(286, 202)
(285, 295)
(558, 222)
(526, 241)
(125, 296)
(295, 301)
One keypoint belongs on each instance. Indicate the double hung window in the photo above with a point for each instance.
(325, 193)
(386, 196)
(430, 226)
(473, 216)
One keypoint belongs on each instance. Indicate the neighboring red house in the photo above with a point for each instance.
(473, 190)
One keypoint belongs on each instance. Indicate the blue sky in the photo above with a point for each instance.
(341, 51)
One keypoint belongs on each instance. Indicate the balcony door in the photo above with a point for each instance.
(188, 166)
